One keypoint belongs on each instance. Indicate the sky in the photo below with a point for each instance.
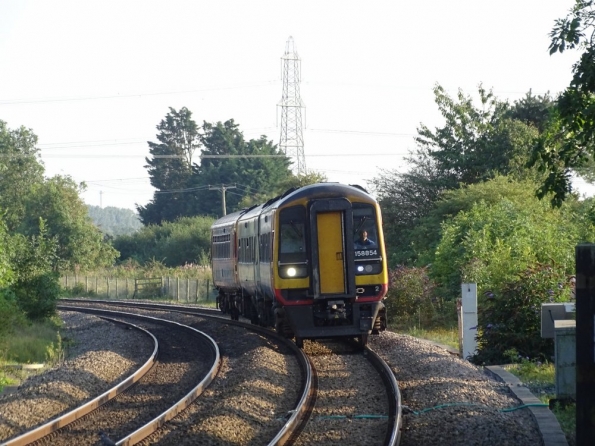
(93, 79)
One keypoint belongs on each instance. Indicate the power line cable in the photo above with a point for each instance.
(135, 95)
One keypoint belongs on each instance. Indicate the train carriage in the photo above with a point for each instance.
(311, 263)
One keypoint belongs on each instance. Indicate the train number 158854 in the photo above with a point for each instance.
(366, 253)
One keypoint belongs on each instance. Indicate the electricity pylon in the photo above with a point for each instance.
(292, 139)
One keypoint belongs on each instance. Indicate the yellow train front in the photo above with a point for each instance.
(311, 263)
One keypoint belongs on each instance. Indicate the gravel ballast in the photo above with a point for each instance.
(450, 401)
(100, 355)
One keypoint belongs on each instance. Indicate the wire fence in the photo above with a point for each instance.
(167, 288)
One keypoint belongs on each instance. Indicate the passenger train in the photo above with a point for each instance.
(310, 262)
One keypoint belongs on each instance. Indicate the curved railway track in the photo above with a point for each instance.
(292, 419)
(178, 371)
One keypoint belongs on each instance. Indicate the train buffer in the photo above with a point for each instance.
(148, 287)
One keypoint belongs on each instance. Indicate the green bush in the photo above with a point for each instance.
(10, 314)
(185, 241)
(37, 286)
(510, 320)
(412, 302)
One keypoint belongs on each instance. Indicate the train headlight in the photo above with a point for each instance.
(362, 269)
(293, 271)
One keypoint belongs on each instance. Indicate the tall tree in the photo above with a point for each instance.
(20, 169)
(170, 166)
(569, 142)
(474, 144)
(254, 168)
(80, 244)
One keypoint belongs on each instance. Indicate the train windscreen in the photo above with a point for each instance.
(292, 235)
(365, 237)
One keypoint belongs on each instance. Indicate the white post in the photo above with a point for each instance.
(469, 332)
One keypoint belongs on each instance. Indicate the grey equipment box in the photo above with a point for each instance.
(554, 312)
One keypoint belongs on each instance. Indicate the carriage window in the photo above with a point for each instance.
(292, 234)
(365, 236)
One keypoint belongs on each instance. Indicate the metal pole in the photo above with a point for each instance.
(585, 342)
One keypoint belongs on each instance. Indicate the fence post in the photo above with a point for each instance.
(188, 290)
(107, 280)
(127, 288)
(66, 281)
(116, 287)
(207, 290)
(177, 289)
(86, 284)
(196, 300)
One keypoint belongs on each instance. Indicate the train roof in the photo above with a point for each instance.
(322, 189)
(310, 191)
(254, 210)
(229, 218)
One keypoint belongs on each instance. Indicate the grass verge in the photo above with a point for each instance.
(33, 343)
(445, 336)
(540, 379)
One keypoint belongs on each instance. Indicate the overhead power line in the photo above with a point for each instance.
(135, 95)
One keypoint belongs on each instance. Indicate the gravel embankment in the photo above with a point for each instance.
(429, 377)
(100, 355)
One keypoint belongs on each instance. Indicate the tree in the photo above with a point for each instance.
(426, 234)
(186, 240)
(20, 169)
(491, 243)
(301, 180)
(473, 145)
(170, 167)
(36, 286)
(80, 243)
(255, 168)
(114, 221)
(569, 142)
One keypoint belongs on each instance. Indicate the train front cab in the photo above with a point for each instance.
(328, 285)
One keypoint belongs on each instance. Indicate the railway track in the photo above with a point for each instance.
(183, 363)
(281, 424)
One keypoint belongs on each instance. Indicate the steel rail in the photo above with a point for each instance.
(395, 416)
(299, 415)
(153, 425)
(70, 417)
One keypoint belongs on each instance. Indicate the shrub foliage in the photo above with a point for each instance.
(510, 320)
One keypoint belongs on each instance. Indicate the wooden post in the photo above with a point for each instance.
(188, 290)
(196, 300)
(585, 343)
(207, 289)
(86, 284)
(177, 289)
(107, 280)
(116, 287)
